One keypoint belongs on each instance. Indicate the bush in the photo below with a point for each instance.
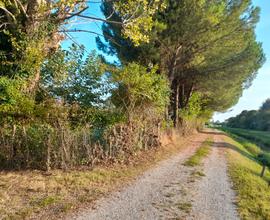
(140, 90)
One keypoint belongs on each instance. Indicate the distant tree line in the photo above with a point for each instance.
(254, 119)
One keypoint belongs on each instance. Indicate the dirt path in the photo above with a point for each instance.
(163, 192)
(213, 196)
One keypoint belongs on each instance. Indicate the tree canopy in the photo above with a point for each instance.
(203, 46)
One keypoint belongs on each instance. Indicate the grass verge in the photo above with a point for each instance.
(41, 195)
(253, 193)
(201, 152)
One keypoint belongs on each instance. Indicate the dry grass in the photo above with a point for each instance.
(36, 194)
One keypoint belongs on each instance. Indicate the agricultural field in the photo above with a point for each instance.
(262, 138)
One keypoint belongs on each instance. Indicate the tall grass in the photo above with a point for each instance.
(44, 147)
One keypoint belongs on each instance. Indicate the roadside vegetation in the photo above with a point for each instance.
(62, 108)
(52, 195)
(200, 154)
(252, 190)
(259, 153)
(67, 109)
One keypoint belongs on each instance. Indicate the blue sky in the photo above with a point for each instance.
(252, 98)
(87, 39)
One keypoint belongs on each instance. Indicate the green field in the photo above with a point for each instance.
(262, 138)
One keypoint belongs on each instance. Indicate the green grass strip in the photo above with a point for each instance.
(253, 193)
(201, 152)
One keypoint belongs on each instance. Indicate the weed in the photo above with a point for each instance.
(202, 152)
(197, 174)
(184, 206)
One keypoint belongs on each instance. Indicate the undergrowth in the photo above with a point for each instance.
(51, 195)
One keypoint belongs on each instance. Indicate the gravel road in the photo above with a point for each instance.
(213, 196)
(168, 191)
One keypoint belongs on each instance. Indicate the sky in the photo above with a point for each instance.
(86, 39)
(252, 98)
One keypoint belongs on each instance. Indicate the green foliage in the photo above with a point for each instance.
(194, 107)
(24, 38)
(139, 90)
(76, 77)
(265, 106)
(67, 99)
(137, 17)
(13, 102)
(218, 57)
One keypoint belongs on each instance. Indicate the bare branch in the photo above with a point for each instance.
(99, 19)
(8, 13)
(18, 2)
(4, 24)
(77, 13)
(91, 32)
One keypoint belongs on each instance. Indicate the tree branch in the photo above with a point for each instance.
(91, 32)
(98, 19)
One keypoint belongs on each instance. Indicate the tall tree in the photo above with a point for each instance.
(207, 47)
(32, 29)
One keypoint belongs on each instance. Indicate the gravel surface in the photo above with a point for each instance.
(173, 191)
(146, 197)
(214, 197)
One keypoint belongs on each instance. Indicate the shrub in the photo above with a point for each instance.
(140, 90)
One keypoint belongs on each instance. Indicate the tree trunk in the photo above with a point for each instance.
(176, 105)
(48, 161)
(189, 95)
(34, 83)
(263, 170)
(14, 146)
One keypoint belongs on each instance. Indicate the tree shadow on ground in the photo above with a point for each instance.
(212, 132)
(226, 145)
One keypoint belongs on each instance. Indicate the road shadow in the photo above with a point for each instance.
(225, 145)
(212, 132)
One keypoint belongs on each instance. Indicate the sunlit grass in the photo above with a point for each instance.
(253, 193)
